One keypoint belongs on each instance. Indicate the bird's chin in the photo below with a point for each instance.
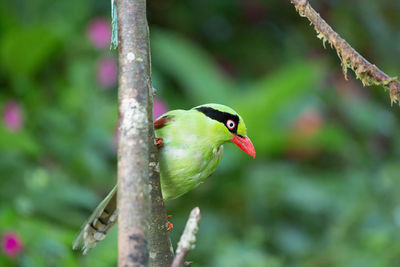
(244, 143)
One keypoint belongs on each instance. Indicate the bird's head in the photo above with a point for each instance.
(228, 126)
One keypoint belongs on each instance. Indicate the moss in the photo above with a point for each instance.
(368, 73)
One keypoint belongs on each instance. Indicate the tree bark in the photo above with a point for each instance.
(161, 251)
(133, 147)
(142, 236)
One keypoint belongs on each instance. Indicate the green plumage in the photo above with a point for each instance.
(192, 149)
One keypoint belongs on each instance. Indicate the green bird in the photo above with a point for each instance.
(192, 147)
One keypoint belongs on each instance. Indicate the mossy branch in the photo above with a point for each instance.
(368, 73)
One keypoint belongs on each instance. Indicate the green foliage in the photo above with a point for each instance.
(323, 189)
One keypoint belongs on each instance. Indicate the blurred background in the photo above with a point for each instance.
(324, 188)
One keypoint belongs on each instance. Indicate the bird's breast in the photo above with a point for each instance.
(184, 165)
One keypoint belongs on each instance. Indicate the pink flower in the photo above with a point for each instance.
(107, 72)
(11, 244)
(99, 33)
(159, 108)
(309, 123)
(12, 116)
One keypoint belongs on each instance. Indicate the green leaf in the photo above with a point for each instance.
(18, 141)
(25, 51)
(191, 66)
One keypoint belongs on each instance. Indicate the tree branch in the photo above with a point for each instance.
(368, 73)
(188, 238)
(133, 148)
(137, 150)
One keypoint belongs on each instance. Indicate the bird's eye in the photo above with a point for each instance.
(230, 124)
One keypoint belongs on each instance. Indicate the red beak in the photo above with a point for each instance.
(244, 144)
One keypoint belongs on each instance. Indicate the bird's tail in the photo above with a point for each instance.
(99, 223)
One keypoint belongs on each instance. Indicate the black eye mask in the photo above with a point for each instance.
(220, 116)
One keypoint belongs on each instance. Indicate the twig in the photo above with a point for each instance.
(133, 150)
(368, 73)
(188, 238)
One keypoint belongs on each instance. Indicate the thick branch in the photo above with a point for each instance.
(133, 149)
(135, 54)
(188, 238)
(368, 73)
